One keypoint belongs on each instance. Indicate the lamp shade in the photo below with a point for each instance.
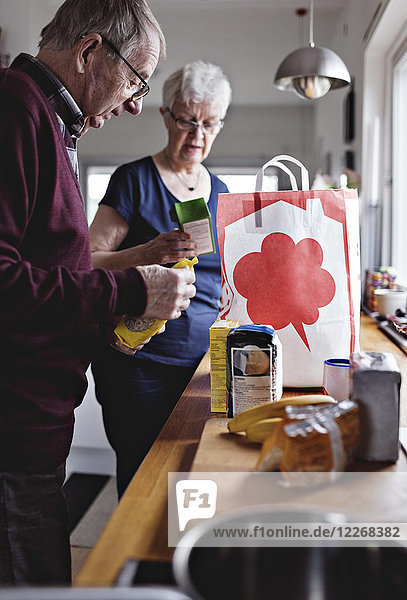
(311, 72)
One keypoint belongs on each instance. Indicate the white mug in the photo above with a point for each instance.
(337, 378)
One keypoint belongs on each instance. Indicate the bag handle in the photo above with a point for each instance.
(276, 162)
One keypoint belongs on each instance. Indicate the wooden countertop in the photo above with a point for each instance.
(138, 527)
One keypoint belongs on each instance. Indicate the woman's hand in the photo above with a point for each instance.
(109, 229)
(169, 247)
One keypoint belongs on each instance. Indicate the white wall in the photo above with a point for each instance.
(19, 20)
(251, 135)
(248, 44)
(90, 452)
(348, 44)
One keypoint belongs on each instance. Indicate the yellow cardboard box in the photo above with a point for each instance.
(217, 336)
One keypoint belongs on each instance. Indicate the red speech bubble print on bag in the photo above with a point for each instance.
(284, 283)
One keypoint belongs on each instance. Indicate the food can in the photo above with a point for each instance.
(254, 372)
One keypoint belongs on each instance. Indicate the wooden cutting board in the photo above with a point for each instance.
(220, 450)
(364, 497)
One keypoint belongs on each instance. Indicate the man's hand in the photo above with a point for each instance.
(169, 291)
(114, 341)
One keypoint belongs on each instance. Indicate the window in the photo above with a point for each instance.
(237, 180)
(244, 179)
(399, 196)
(97, 179)
(384, 183)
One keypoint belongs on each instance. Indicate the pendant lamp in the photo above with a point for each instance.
(311, 71)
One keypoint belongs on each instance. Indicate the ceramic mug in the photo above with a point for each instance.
(389, 300)
(337, 378)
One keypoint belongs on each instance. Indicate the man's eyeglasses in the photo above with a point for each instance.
(145, 88)
(210, 127)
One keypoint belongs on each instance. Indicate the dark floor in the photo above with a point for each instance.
(81, 490)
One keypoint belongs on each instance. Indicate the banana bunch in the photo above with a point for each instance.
(261, 430)
(259, 422)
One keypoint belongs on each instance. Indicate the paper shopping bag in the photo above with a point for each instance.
(290, 259)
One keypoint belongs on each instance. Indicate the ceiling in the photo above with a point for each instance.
(247, 38)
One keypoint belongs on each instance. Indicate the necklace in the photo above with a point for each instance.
(191, 188)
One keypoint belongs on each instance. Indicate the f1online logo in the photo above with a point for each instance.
(196, 499)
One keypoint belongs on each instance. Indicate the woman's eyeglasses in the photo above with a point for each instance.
(145, 88)
(210, 127)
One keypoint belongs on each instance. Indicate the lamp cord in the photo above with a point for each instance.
(311, 25)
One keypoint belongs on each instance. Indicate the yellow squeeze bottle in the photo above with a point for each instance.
(142, 328)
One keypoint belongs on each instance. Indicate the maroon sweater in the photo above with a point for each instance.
(50, 298)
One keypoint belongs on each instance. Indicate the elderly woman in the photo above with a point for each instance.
(133, 227)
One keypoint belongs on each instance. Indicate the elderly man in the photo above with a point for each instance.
(95, 59)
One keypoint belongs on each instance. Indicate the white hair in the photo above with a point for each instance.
(127, 24)
(198, 82)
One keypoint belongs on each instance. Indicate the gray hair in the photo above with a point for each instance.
(198, 82)
(126, 23)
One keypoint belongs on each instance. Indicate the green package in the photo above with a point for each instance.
(194, 218)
